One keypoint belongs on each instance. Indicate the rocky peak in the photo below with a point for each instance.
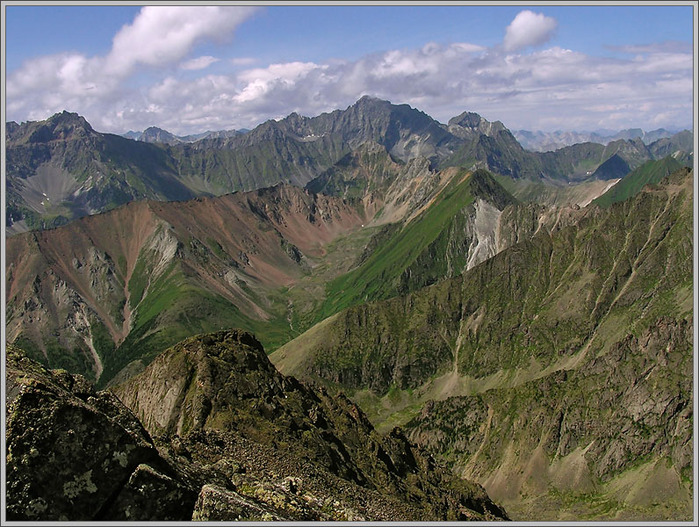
(154, 134)
(10, 128)
(466, 120)
(61, 126)
(270, 448)
(468, 124)
(74, 453)
(66, 117)
(484, 187)
(270, 130)
(66, 124)
(400, 115)
(295, 119)
(368, 101)
(209, 375)
(222, 385)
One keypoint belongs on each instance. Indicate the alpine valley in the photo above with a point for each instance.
(363, 315)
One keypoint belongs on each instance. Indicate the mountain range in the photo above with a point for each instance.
(548, 141)
(153, 134)
(523, 318)
(61, 169)
(537, 141)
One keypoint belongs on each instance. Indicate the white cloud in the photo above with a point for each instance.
(551, 88)
(289, 72)
(99, 87)
(465, 47)
(199, 63)
(528, 29)
(400, 63)
(164, 34)
(259, 83)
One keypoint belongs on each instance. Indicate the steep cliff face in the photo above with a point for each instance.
(474, 232)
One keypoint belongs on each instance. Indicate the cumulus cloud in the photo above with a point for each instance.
(158, 37)
(259, 82)
(163, 34)
(553, 88)
(528, 29)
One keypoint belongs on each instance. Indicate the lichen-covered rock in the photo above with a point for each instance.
(70, 449)
(219, 504)
(151, 495)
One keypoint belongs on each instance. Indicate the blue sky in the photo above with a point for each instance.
(188, 69)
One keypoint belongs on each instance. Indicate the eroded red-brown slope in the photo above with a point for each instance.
(59, 281)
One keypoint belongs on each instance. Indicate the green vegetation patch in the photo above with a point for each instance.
(377, 278)
(57, 356)
(631, 184)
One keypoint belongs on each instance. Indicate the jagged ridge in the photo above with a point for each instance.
(61, 169)
(234, 439)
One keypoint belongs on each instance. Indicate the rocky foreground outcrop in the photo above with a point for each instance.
(74, 453)
(212, 431)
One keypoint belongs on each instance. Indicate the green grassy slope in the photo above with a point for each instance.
(649, 172)
(380, 275)
(581, 287)
(122, 286)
